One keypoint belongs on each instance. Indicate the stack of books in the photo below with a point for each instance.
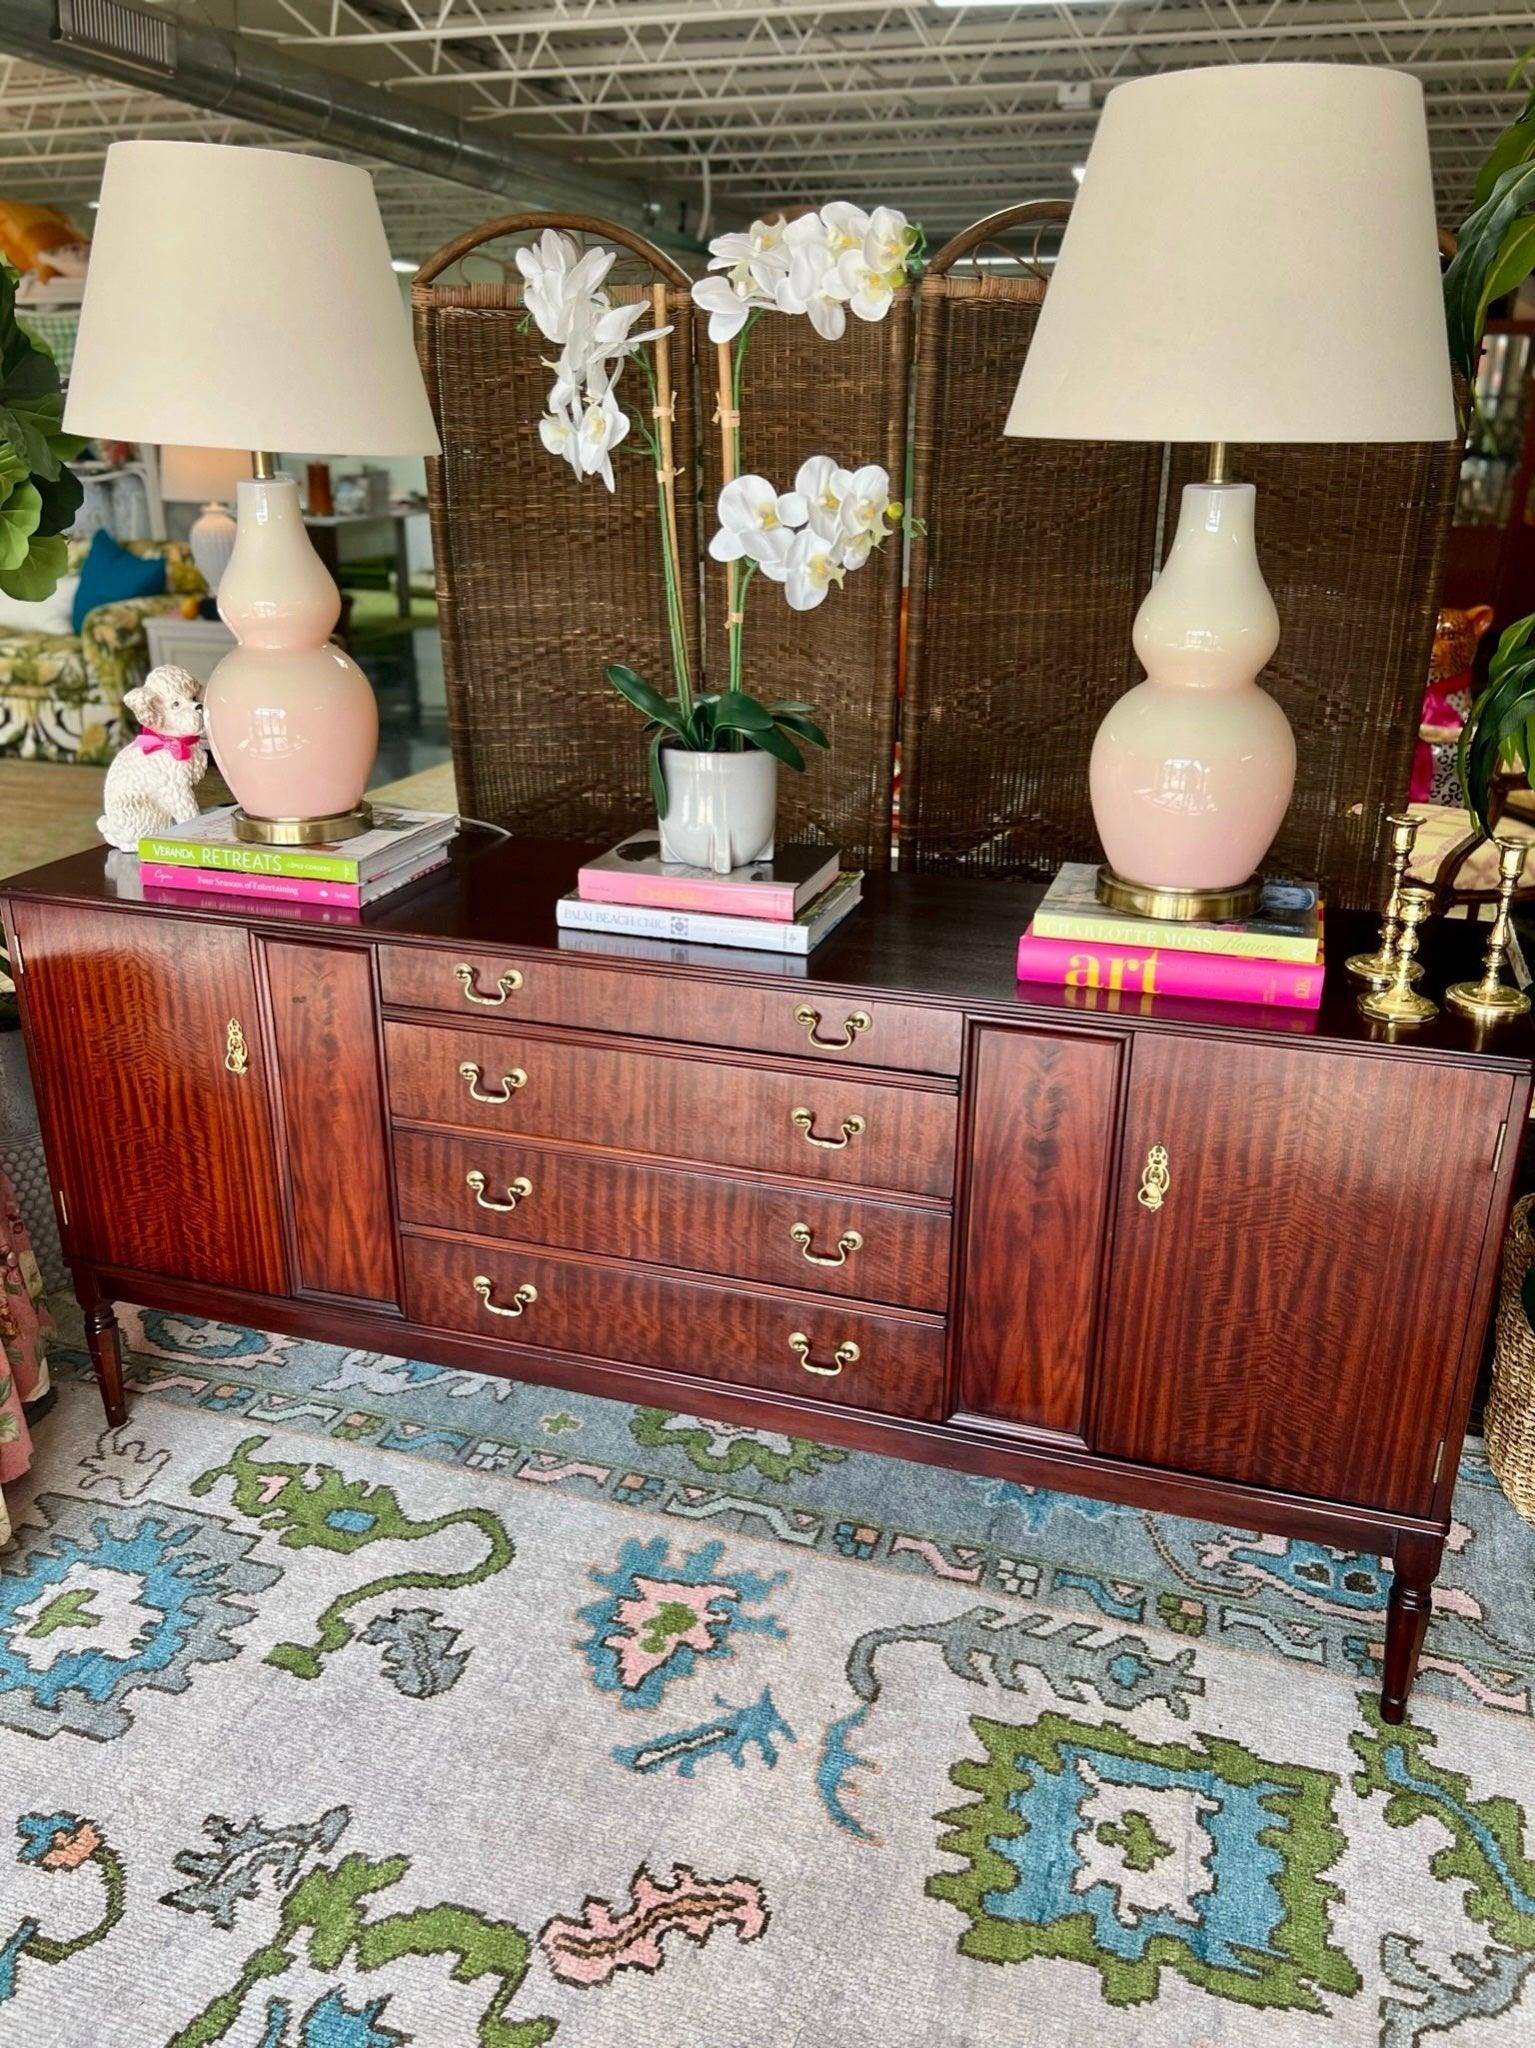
(1274, 956)
(205, 856)
(784, 905)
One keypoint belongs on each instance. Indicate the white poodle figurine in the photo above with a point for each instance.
(153, 782)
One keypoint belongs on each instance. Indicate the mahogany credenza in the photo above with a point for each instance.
(1218, 1261)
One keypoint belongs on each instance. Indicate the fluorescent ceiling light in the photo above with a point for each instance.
(403, 263)
(1079, 172)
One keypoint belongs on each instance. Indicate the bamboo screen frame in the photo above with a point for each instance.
(1022, 590)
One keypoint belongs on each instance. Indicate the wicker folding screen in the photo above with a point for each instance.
(543, 578)
(1022, 592)
(1351, 541)
(805, 396)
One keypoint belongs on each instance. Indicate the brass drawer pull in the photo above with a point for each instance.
(236, 1052)
(1152, 1192)
(525, 1297)
(849, 1241)
(517, 1190)
(860, 1020)
(804, 1120)
(468, 979)
(510, 1082)
(799, 1344)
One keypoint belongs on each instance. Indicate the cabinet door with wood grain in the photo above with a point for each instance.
(1044, 1106)
(149, 1064)
(1296, 1243)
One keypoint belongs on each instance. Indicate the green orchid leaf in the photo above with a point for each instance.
(803, 728)
(799, 710)
(643, 697)
(1481, 241)
(699, 731)
(19, 516)
(61, 500)
(658, 775)
(736, 712)
(779, 745)
(1513, 640)
(47, 559)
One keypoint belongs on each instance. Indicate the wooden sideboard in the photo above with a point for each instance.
(894, 1201)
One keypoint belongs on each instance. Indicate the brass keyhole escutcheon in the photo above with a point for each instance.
(469, 981)
(1155, 1180)
(236, 1052)
(860, 1020)
(517, 1190)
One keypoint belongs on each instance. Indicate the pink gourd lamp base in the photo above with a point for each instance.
(292, 719)
(1192, 770)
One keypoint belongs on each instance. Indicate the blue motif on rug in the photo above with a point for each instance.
(660, 1619)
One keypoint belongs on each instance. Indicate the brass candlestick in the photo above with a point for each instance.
(1379, 968)
(1488, 1000)
(1399, 1002)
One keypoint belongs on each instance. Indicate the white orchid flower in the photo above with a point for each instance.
(868, 292)
(560, 288)
(726, 307)
(815, 284)
(867, 503)
(603, 425)
(759, 523)
(823, 486)
(813, 565)
(846, 226)
(560, 429)
(888, 240)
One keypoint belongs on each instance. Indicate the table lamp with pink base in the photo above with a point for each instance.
(281, 327)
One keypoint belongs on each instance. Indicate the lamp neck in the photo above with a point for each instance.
(1219, 471)
(263, 464)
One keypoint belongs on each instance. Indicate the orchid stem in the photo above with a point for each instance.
(666, 507)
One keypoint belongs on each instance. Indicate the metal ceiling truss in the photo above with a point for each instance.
(740, 105)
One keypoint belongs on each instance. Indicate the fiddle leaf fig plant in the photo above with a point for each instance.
(39, 494)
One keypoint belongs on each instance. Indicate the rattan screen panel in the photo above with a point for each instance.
(1351, 541)
(802, 396)
(544, 578)
(1022, 594)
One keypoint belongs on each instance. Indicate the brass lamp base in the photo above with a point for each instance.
(303, 831)
(1484, 1004)
(1177, 906)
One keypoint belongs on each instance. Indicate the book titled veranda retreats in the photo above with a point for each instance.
(395, 840)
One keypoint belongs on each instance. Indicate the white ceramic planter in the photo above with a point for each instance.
(721, 808)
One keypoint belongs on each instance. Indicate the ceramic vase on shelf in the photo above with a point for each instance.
(1192, 770)
(722, 809)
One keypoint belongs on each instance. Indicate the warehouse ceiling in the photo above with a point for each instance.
(717, 109)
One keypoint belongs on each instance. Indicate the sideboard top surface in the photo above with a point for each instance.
(939, 939)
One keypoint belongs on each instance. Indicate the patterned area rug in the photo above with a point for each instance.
(346, 1702)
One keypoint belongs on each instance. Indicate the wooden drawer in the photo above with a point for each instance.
(860, 1133)
(677, 1325)
(672, 1008)
(700, 1222)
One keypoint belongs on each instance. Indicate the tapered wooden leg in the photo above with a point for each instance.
(105, 1338)
(1415, 1562)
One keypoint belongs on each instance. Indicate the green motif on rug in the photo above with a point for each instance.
(1487, 1841)
(1090, 1845)
(330, 1906)
(317, 1507)
(717, 1447)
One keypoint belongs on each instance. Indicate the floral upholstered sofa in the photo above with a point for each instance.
(61, 694)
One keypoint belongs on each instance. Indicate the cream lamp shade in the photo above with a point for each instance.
(202, 476)
(1251, 257)
(243, 298)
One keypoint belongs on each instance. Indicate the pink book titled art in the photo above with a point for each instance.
(1138, 971)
